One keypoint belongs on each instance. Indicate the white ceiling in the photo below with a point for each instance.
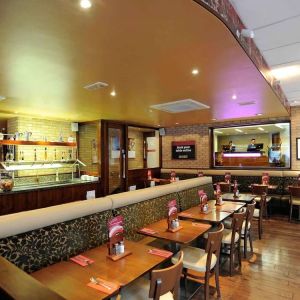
(276, 24)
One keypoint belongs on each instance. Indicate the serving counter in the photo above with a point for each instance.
(243, 159)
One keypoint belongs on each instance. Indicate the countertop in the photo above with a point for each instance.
(49, 185)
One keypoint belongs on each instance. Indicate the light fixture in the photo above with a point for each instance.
(234, 97)
(261, 129)
(259, 114)
(238, 130)
(2, 98)
(195, 71)
(85, 4)
(214, 119)
(113, 93)
(176, 123)
(286, 72)
(248, 33)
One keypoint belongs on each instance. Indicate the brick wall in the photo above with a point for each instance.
(200, 134)
(295, 129)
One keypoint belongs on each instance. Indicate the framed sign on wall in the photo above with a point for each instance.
(298, 148)
(183, 150)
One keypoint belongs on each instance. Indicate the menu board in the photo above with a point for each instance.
(183, 150)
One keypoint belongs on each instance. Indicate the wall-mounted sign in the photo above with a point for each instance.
(183, 150)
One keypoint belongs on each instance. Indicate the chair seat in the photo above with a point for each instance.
(227, 233)
(139, 290)
(195, 259)
(257, 199)
(227, 223)
(296, 201)
(256, 213)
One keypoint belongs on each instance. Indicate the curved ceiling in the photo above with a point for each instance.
(51, 49)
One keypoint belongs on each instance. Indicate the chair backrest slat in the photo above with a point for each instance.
(166, 280)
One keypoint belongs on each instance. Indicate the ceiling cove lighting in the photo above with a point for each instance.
(238, 130)
(85, 4)
(286, 72)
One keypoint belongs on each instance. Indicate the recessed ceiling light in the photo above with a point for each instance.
(286, 72)
(85, 3)
(158, 125)
(234, 97)
(176, 123)
(238, 130)
(214, 119)
(259, 114)
(2, 98)
(113, 93)
(195, 71)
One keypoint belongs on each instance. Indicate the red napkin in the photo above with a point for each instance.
(82, 260)
(148, 230)
(159, 252)
(104, 286)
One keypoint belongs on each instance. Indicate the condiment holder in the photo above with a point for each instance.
(219, 200)
(173, 221)
(203, 202)
(116, 243)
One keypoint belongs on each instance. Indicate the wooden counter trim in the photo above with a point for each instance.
(18, 285)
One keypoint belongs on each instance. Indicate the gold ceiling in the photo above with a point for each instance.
(145, 50)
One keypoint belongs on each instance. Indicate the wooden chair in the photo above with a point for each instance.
(258, 190)
(246, 232)
(225, 187)
(231, 241)
(259, 214)
(294, 199)
(164, 284)
(197, 262)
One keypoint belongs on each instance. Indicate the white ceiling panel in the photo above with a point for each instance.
(276, 24)
(284, 54)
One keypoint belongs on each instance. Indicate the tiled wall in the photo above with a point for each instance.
(89, 145)
(200, 134)
(49, 130)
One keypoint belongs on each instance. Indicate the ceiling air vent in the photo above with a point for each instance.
(96, 86)
(180, 106)
(246, 103)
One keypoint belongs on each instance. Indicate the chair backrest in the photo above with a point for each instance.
(294, 192)
(259, 189)
(213, 245)
(225, 187)
(237, 224)
(249, 214)
(166, 280)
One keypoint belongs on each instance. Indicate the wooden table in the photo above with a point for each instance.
(246, 198)
(215, 214)
(70, 280)
(270, 186)
(189, 232)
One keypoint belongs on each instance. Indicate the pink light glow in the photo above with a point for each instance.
(256, 154)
